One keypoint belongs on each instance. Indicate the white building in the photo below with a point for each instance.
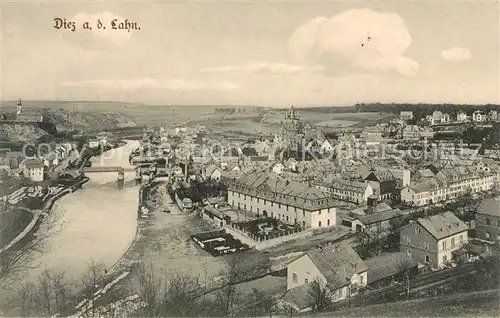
(461, 117)
(337, 268)
(33, 169)
(478, 116)
(406, 115)
(265, 194)
(434, 240)
(447, 184)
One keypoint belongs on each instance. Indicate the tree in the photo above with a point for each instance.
(319, 296)
(260, 304)
(47, 296)
(21, 257)
(91, 282)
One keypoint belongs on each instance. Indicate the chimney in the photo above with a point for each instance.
(372, 204)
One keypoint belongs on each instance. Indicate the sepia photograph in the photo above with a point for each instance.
(299, 158)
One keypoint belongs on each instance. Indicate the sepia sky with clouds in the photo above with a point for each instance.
(270, 54)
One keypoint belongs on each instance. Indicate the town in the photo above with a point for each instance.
(389, 212)
(250, 159)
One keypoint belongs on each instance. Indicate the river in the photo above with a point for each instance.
(98, 221)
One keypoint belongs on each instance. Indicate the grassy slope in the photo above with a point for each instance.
(485, 303)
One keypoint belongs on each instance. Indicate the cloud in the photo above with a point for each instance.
(456, 54)
(267, 68)
(139, 83)
(355, 39)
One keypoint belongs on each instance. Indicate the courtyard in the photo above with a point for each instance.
(267, 228)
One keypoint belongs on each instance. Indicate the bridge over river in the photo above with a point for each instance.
(108, 169)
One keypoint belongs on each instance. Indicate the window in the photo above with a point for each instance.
(426, 245)
(461, 238)
(303, 212)
(408, 239)
(295, 278)
(257, 200)
(452, 241)
(408, 252)
(271, 203)
(328, 222)
(319, 224)
(361, 280)
(279, 205)
(417, 230)
(341, 292)
(487, 221)
(445, 258)
(444, 245)
(427, 258)
(306, 280)
(498, 223)
(319, 212)
(264, 202)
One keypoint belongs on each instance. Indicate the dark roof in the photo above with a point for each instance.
(490, 207)
(337, 264)
(380, 216)
(443, 225)
(299, 297)
(268, 186)
(387, 265)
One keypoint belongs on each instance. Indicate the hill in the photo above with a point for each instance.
(476, 304)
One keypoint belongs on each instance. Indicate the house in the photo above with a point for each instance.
(326, 146)
(213, 172)
(373, 222)
(478, 116)
(385, 181)
(488, 220)
(278, 168)
(414, 132)
(30, 116)
(433, 240)
(337, 268)
(265, 194)
(445, 118)
(385, 269)
(4, 163)
(94, 143)
(51, 159)
(346, 190)
(461, 116)
(406, 115)
(32, 168)
(493, 115)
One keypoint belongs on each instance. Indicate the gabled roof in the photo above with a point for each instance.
(33, 163)
(387, 265)
(380, 216)
(443, 225)
(299, 297)
(490, 207)
(337, 264)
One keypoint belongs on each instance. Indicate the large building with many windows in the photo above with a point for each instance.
(267, 195)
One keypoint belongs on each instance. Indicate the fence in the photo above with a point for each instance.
(261, 242)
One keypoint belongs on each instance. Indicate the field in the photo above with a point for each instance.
(475, 304)
(327, 119)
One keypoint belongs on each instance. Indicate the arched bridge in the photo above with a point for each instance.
(107, 169)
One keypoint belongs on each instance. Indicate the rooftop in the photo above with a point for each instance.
(490, 207)
(443, 225)
(337, 264)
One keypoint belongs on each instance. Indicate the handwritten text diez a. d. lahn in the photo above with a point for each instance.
(115, 24)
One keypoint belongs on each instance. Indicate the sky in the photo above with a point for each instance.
(273, 54)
